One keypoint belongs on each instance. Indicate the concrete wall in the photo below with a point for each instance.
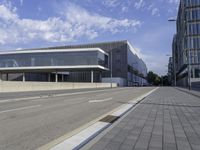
(119, 81)
(15, 86)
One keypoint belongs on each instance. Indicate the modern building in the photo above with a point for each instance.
(114, 62)
(170, 71)
(186, 44)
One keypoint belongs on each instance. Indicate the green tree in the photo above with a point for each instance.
(153, 78)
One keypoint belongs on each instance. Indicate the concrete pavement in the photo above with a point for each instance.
(168, 119)
(29, 120)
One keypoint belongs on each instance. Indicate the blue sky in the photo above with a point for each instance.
(42, 23)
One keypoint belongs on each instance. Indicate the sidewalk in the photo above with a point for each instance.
(195, 93)
(168, 119)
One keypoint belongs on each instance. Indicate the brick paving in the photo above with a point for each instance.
(168, 119)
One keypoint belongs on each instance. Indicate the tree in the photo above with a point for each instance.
(156, 80)
(153, 78)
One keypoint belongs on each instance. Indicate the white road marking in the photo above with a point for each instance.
(56, 95)
(75, 99)
(21, 108)
(101, 100)
(78, 140)
(19, 99)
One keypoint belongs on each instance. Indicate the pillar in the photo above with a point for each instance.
(100, 76)
(56, 77)
(23, 77)
(49, 77)
(62, 77)
(0, 76)
(6, 76)
(92, 76)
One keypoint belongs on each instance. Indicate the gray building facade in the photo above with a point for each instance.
(125, 66)
(113, 62)
(186, 44)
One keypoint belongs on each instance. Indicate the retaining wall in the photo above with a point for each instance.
(15, 86)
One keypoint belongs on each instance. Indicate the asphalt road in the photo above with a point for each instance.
(31, 119)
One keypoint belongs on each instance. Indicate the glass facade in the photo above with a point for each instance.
(137, 70)
(40, 59)
(186, 45)
(190, 3)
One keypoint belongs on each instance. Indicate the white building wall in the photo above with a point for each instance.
(119, 81)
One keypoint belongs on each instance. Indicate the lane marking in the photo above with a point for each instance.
(80, 139)
(101, 100)
(20, 99)
(74, 99)
(59, 95)
(21, 108)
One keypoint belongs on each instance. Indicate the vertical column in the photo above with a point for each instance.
(49, 77)
(0, 76)
(189, 71)
(100, 76)
(92, 76)
(193, 72)
(62, 77)
(23, 77)
(56, 77)
(6, 76)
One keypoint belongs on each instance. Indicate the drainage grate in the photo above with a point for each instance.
(110, 119)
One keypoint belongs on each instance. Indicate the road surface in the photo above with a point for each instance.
(29, 120)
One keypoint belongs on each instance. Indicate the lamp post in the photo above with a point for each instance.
(189, 70)
(111, 76)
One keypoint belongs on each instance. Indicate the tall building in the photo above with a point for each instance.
(170, 71)
(186, 44)
(115, 62)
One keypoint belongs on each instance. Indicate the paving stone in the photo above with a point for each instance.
(168, 119)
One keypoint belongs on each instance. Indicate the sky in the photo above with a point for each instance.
(43, 23)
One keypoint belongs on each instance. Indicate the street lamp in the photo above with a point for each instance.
(111, 75)
(189, 70)
(172, 19)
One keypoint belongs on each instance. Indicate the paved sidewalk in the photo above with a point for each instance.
(192, 92)
(168, 119)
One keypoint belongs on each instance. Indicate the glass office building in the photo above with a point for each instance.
(115, 62)
(126, 68)
(186, 43)
(55, 61)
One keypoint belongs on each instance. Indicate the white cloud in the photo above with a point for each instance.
(173, 1)
(124, 9)
(156, 65)
(75, 22)
(155, 12)
(139, 4)
(111, 3)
